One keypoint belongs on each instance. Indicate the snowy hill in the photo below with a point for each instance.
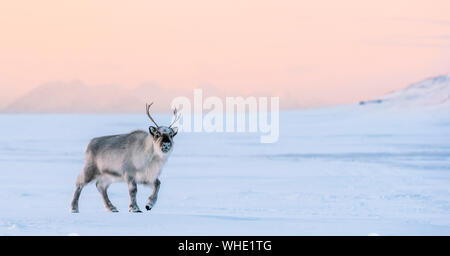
(76, 97)
(67, 97)
(432, 92)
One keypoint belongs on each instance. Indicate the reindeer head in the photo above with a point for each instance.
(163, 135)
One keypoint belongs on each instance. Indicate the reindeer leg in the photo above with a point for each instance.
(76, 196)
(132, 190)
(102, 187)
(154, 196)
(88, 174)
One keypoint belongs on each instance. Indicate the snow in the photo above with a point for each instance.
(348, 170)
(430, 93)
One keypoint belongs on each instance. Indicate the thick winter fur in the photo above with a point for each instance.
(135, 158)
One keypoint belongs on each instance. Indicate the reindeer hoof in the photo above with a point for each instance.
(113, 209)
(134, 209)
(148, 208)
(74, 211)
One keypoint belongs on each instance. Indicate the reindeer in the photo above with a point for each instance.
(135, 158)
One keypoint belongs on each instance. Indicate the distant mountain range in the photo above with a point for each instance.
(432, 92)
(76, 97)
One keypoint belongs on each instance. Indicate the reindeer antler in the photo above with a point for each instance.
(147, 108)
(177, 117)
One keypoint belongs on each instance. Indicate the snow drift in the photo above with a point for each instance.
(432, 92)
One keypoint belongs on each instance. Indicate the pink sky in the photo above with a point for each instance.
(313, 52)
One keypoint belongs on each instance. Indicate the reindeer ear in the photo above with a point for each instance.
(152, 130)
(175, 131)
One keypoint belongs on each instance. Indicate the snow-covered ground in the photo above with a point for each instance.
(349, 170)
